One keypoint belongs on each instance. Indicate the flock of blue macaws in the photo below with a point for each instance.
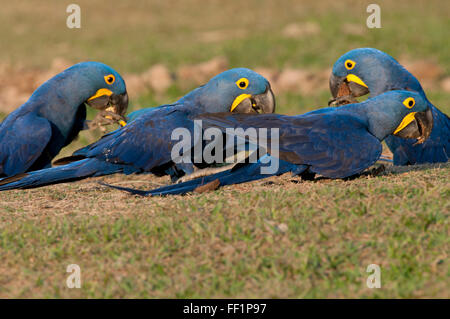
(338, 141)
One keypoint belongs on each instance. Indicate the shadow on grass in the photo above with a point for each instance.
(375, 171)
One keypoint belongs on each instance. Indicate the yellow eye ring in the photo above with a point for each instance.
(409, 102)
(110, 79)
(242, 83)
(349, 64)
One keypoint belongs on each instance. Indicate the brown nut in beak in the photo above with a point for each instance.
(344, 89)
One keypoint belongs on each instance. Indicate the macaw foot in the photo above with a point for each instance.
(104, 118)
(204, 172)
(377, 171)
(307, 175)
(342, 100)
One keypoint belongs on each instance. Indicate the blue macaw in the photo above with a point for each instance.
(368, 70)
(333, 142)
(144, 145)
(32, 135)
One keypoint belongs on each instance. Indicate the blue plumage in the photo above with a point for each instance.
(144, 145)
(332, 142)
(380, 73)
(32, 135)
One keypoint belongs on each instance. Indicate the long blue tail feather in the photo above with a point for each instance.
(89, 167)
(239, 174)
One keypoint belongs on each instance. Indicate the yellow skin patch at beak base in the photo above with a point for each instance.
(101, 92)
(238, 100)
(406, 120)
(357, 80)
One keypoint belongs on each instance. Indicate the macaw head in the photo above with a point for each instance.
(405, 114)
(237, 90)
(92, 83)
(366, 70)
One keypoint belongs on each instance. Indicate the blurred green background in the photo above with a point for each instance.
(132, 36)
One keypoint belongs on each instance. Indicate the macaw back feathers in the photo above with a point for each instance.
(329, 143)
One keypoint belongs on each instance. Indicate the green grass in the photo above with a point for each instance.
(132, 36)
(277, 238)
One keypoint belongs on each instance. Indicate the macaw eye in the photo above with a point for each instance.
(349, 64)
(242, 83)
(109, 79)
(409, 102)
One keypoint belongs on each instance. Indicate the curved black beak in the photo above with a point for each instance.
(116, 103)
(335, 83)
(261, 103)
(344, 90)
(112, 106)
(420, 127)
(119, 103)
